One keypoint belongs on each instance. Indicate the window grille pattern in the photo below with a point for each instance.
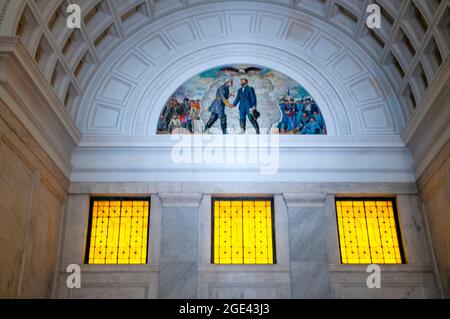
(368, 232)
(243, 232)
(118, 231)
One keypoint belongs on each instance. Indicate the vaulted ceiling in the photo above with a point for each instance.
(383, 74)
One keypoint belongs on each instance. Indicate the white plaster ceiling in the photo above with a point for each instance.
(115, 74)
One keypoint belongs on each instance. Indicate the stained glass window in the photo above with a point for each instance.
(118, 231)
(368, 231)
(243, 231)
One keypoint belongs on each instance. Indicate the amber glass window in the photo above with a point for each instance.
(118, 231)
(242, 231)
(368, 231)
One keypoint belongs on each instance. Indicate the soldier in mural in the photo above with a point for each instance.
(175, 123)
(311, 128)
(217, 107)
(289, 111)
(300, 116)
(194, 115)
(167, 115)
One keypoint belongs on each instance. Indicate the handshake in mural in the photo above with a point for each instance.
(228, 103)
(254, 111)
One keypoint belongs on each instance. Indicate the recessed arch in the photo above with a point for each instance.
(259, 55)
(350, 89)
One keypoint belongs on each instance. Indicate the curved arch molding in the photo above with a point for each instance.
(129, 90)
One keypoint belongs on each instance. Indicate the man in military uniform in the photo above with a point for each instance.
(319, 120)
(166, 115)
(283, 105)
(247, 101)
(217, 107)
(311, 128)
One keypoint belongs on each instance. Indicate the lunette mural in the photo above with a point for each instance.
(238, 99)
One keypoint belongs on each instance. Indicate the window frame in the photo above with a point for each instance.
(393, 199)
(244, 198)
(93, 199)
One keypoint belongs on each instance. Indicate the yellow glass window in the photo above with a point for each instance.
(118, 231)
(368, 231)
(242, 231)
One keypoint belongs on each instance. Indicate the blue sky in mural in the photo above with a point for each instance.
(196, 87)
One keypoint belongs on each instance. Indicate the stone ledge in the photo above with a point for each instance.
(422, 268)
(114, 268)
(180, 199)
(243, 268)
(304, 200)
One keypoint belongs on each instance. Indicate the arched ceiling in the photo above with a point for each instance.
(115, 73)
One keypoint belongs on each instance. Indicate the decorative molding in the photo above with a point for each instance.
(304, 200)
(180, 199)
(237, 170)
(234, 187)
(3, 11)
(285, 141)
(305, 163)
(306, 175)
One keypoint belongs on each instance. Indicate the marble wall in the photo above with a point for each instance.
(308, 251)
(179, 253)
(434, 190)
(31, 211)
(307, 247)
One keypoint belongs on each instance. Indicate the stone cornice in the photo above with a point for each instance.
(285, 141)
(180, 199)
(283, 164)
(304, 200)
(227, 188)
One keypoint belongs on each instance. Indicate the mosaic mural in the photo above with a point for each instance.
(235, 99)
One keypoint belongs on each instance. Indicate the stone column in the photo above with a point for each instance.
(179, 246)
(308, 246)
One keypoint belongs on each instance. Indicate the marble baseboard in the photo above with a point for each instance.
(244, 285)
(310, 280)
(177, 281)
